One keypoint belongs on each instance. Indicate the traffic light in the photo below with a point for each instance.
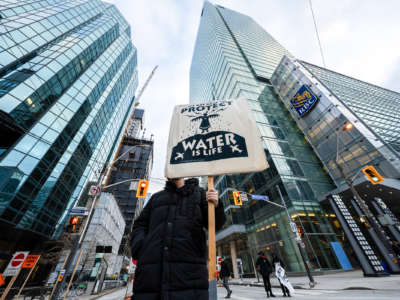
(300, 231)
(372, 175)
(237, 199)
(73, 221)
(142, 188)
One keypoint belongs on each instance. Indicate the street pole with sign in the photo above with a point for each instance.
(13, 269)
(29, 263)
(298, 239)
(365, 214)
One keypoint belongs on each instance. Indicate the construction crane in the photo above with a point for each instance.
(145, 85)
(129, 122)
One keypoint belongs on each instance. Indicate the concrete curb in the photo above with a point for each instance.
(299, 287)
(105, 293)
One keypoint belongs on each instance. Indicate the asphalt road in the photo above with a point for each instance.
(256, 293)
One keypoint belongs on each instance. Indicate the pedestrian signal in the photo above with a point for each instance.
(142, 188)
(372, 175)
(73, 221)
(300, 231)
(237, 199)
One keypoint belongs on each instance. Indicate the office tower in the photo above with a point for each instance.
(234, 57)
(68, 75)
(351, 126)
(135, 163)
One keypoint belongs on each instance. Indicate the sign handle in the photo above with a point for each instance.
(10, 284)
(26, 280)
(58, 273)
(212, 264)
(73, 274)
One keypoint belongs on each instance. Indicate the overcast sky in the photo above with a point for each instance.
(359, 39)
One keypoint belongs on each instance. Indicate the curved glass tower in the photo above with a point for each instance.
(235, 57)
(68, 74)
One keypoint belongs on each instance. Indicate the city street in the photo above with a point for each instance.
(255, 293)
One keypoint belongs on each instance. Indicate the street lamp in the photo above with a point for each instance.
(367, 218)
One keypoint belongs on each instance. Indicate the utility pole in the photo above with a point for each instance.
(298, 241)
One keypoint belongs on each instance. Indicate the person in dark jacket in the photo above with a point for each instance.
(169, 242)
(277, 260)
(264, 267)
(224, 274)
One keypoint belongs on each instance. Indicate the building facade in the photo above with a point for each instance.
(373, 140)
(106, 230)
(68, 75)
(136, 162)
(234, 57)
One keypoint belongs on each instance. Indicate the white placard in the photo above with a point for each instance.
(15, 263)
(214, 138)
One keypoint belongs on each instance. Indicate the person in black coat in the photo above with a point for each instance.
(224, 274)
(169, 242)
(264, 267)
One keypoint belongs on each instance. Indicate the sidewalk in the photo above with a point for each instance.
(338, 281)
(103, 293)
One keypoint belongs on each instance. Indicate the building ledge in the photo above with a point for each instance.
(230, 231)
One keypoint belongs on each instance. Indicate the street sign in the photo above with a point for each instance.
(260, 197)
(79, 211)
(293, 226)
(94, 190)
(15, 263)
(30, 261)
(244, 197)
(61, 275)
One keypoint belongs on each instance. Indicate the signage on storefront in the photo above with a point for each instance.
(304, 100)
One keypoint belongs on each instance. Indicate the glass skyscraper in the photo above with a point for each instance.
(68, 75)
(234, 57)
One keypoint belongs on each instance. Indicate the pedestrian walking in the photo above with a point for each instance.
(264, 267)
(169, 242)
(281, 275)
(225, 273)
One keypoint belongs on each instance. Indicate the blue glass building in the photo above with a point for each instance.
(68, 75)
(234, 57)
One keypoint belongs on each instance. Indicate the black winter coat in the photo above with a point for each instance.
(225, 272)
(169, 243)
(263, 265)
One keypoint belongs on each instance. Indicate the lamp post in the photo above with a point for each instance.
(366, 216)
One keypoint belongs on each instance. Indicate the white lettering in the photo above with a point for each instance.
(230, 138)
(210, 141)
(189, 145)
(220, 141)
(201, 144)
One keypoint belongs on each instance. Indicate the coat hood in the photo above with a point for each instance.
(190, 185)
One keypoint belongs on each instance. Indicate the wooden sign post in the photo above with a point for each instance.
(30, 263)
(212, 264)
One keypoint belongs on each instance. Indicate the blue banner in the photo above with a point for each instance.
(304, 100)
(260, 197)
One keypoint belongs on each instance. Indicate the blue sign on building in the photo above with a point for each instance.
(304, 100)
